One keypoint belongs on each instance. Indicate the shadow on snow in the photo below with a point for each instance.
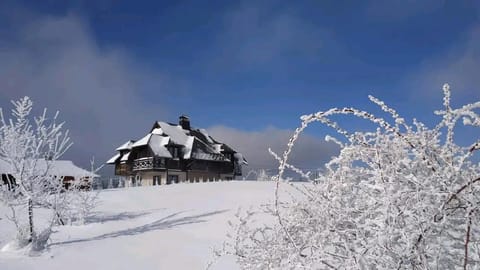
(167, 222)
(102, 218)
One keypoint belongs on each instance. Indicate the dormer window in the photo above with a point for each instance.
(173, 151)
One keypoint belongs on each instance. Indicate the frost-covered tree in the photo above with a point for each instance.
(263, 175)
(403, 196)
(80, 200)
(28, 148)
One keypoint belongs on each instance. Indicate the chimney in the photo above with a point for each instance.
(184, 122)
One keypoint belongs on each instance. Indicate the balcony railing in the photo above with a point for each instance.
(148, 163)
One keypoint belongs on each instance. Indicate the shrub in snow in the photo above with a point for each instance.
(258, 174)
(263, 176)
(80, 200)
(27, 152)
(80, 206)
(403, 196)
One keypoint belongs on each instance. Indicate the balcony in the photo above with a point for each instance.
(123, 169)
(148, 163)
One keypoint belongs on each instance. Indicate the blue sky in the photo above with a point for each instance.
(245, 69)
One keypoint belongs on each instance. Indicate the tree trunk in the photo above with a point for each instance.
(30, 219)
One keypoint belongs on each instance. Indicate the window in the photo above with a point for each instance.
(172, 179)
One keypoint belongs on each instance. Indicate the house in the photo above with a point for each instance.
(62, 169)
(172, 153)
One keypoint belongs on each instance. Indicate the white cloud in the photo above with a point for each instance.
(262, 34)
(459, 67)
(309, 152)
(57, 62)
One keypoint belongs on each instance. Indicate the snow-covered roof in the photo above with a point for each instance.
(188, 147)
(125, 157)
(57, 167)
(193, 143)
(177, 134)
(205, 133)
(143, 141)
(125, 146)
(113, 159)
(205, 151)
(197, 143)
(67, 168)
(157, 131)
(156, 142)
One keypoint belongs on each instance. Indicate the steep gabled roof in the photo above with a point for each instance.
(192, 143)
(143, 141)
(156, 143)
(175, 132)
(125, 146)
(204, 151)
(114, 159)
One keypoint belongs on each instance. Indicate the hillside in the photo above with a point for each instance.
(160, 227)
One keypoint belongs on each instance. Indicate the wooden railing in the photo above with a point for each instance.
(148, 163)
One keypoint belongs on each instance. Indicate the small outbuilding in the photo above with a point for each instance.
(65, 170)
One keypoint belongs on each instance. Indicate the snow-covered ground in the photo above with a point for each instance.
(159, 227)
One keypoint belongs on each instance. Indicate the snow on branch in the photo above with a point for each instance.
(27, 153)
(403, 196)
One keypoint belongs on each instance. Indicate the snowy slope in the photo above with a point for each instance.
(159, 227)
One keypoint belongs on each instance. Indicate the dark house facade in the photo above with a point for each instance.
(173, 153)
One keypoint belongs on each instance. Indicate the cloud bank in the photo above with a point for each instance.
(98, 91)
(309, 152)
(459, 67)
(56, 61)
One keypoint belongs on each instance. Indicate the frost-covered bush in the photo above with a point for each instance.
(80, 200)
(80, 206)
(28, 147)
(263, 175)
(403, 196)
